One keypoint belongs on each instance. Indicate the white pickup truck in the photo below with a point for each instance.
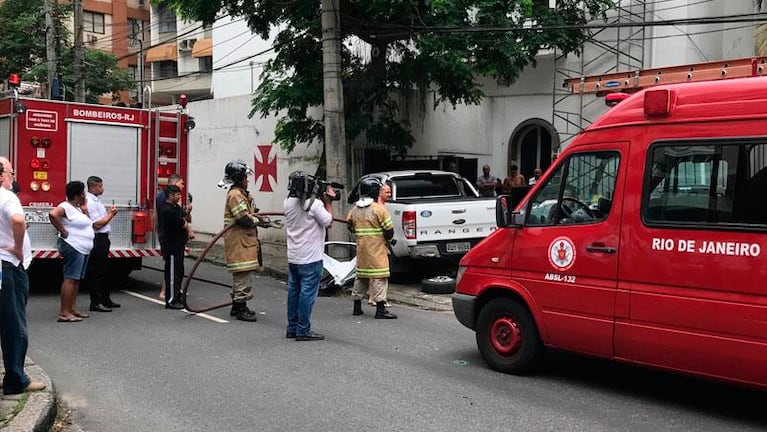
(436, 214)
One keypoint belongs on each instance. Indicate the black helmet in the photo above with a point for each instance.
(369, 187)
(297, 183)
(236, 171)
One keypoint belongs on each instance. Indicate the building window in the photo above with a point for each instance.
(93, 22)
(716, 184)
(206, 64)
(166, 69)
(166, 20)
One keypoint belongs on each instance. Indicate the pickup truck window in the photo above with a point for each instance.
(428, 186)
(579, 191)
(706, 183)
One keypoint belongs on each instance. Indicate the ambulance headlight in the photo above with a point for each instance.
(34, 186)
(46, 186)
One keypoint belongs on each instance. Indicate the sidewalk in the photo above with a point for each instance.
(29, 412)
(276, 265)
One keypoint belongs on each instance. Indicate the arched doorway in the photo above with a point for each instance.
(531, 144)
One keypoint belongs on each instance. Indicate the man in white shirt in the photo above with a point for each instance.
(306, 219)
(16, 255)
(98, 261)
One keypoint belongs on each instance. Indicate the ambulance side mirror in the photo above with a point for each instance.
(505, 216)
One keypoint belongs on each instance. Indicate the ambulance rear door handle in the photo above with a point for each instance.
(600, 248)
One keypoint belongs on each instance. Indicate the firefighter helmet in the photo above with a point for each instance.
(236, 171)
(369, 187)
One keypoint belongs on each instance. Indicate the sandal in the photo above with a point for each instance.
(81, 314)
(70, 319)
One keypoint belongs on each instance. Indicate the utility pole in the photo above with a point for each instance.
(50, 45)
(141, 66)
(79, 52)
(335, 128)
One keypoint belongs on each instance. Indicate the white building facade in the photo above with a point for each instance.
(524, 124)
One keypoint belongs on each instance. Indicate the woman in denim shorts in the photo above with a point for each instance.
(74, 244)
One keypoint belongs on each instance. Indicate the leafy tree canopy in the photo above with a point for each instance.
(23, 50)
(416, 45)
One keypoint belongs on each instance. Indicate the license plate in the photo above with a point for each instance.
(458, 247)
(37, 217)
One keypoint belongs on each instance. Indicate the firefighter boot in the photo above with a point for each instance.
(244, 313)
(382, 312)
(357, 307)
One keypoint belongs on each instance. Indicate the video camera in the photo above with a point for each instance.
(302, 185)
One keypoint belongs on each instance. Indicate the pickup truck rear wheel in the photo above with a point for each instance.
(507, 337)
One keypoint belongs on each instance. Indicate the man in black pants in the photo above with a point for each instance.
(95, 276)
(177, 232)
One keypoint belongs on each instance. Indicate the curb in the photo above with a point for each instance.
(39, 412)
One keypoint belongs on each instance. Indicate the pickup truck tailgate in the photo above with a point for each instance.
(453, 220)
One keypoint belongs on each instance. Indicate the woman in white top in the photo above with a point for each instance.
(74, 244)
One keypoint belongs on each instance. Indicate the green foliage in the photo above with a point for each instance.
(23, 50)
(421, 45)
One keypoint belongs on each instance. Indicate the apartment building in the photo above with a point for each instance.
(120, 27)
(181, 58)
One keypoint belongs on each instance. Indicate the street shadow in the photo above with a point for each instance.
(672, 389)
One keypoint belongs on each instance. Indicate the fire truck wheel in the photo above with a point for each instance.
(507, 337)
(438, 285)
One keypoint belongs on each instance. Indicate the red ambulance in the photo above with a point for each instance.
(645, 242)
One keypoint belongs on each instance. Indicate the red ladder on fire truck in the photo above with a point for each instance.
(632, 81)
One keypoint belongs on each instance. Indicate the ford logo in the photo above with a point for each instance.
(426, 213)
(459, 221)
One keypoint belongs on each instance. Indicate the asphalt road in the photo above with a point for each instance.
(144, 368)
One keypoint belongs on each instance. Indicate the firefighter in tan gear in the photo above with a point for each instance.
(373, 228)
(241, 241)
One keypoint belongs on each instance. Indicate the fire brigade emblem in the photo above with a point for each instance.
(264, 168)
(562, 253)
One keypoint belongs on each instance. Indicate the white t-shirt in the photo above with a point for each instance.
(9, 206)
(79, 227)
(306, 230)
(97, 211)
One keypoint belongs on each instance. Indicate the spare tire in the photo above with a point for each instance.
(438, 285)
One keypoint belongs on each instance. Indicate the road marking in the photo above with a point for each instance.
(162, 303)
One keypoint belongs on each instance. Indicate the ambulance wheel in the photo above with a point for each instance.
(438, 285)
(507, 337)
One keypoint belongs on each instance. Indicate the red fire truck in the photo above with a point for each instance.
(133, 150)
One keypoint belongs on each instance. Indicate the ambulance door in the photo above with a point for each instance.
(566, 254)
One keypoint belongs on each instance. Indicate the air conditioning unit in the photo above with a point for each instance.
(186, 44)
(92, 39)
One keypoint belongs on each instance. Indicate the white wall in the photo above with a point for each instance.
(234, 41)
(224, 133)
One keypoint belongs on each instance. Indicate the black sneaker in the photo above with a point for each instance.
(174, 305)
(290, 335)
(311, 336)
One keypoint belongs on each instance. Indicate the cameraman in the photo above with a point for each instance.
(305, 223)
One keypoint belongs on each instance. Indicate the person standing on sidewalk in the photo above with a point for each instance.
(98, 261)
(241, 241)
(177, 233)
(305, 224)
(373, 228)
(16, 255)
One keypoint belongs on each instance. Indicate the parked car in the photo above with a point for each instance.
(436, 214)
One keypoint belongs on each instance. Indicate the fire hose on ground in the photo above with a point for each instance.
(188, 279)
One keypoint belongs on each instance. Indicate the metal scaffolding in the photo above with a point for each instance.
(617, 47)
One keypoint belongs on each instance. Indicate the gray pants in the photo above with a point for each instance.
(241, 282)
(380, 286)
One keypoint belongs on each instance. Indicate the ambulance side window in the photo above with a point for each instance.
(719, 183)
(580, 191)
